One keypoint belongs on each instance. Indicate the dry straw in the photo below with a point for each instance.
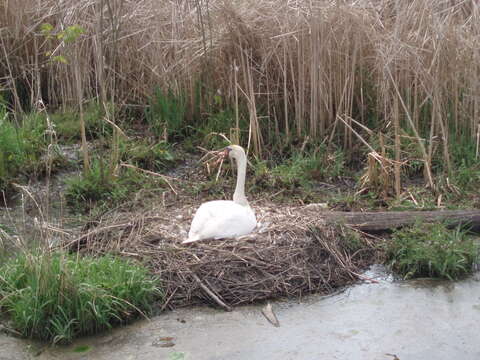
(291, 68)
(292, 254)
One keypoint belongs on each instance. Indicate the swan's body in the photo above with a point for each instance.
(223, 218)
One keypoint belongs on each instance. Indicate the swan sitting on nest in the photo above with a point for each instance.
(225, 218)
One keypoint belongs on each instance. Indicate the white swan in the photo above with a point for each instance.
(224, 218)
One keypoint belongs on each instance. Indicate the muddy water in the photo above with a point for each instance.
(39, 201)
(37, 212)
(420, 319)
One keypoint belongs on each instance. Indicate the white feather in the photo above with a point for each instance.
(223, 218)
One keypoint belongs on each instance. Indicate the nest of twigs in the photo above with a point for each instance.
(291, 254)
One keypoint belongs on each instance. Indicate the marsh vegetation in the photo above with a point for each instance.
(356, 105)
(57, 297)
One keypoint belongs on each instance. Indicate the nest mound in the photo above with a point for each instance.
(291, 254)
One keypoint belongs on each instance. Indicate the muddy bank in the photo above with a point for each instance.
(422, 319)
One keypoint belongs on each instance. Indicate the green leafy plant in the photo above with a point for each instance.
(66, 36)
(57, 297)
(431, 250)
(176, 356)
(84, 191)
(353, 241)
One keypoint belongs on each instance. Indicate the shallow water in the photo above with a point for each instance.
(421, 319)
(39, 202)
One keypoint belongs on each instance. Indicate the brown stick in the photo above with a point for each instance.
(210, 293)
(165, 178)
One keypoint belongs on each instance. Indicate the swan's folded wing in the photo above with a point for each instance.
(221, 219)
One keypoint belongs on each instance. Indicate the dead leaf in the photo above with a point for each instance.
(395, 357)
(164, 342)
(267, 311)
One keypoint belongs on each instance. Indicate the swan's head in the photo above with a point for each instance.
(234, 152)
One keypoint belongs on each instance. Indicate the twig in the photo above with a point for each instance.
(165, 304)
(151, 173)
(210, 293)
(9, 330)
(97, 231)
(268, 196)
(219, 134)
(219, 169)
(115, 126)
(364, 278)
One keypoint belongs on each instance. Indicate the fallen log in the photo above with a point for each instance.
(389, 220)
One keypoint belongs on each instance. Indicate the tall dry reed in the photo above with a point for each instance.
(404, 68)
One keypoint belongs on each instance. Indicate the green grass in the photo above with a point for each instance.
(304, 169)
(57, 297)
(465, 172)
(147, 155)
(21, 147)
(220, 122)
(166, 113)
(353, 242)
(82, 349)
(431, 250)
(67, 123)
(99, 188)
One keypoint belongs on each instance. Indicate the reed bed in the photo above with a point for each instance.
(292, 254)
(323, 69)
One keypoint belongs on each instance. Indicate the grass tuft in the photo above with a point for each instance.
(67, 123)
(99, 187)
(304, 169)
(432, 250)
(21, 147)
(148, 155)
(165, 114)
(57, 297)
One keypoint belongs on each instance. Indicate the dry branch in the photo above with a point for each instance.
(389, 220)
(211, 293)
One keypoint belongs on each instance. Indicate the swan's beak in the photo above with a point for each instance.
(224, 153)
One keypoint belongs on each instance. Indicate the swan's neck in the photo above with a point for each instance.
(239, 195)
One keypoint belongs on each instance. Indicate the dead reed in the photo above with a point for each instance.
(294, 68)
